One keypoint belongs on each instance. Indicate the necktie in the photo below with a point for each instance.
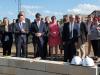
(21, 26)
(71, 30)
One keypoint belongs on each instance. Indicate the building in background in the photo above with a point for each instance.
(96, 13)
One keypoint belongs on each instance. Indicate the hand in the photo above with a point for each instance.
(26, 30)
(76, 45)
(54, 32)
(38, 34)
(98, 28)
(63, 43)
(23, 30)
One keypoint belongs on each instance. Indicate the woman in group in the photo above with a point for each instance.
(54, 39)
(95, 37)
(7, 37)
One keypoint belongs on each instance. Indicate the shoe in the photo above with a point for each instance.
(38, 58)
(95, 58)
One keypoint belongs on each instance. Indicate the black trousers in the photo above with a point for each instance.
(45, 48)
(96, 47)
(69, 51)
(40, 50)
(36, 52)
(7, 48)
(21, 48)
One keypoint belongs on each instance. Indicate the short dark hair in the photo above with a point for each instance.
(53, 17)
(19, 15)
(90, 16)
(37, 15)
(65, 16)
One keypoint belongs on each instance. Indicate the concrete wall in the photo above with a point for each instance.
(25, 66)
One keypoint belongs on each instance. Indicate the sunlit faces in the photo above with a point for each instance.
(14, 20)
(90, 18)
(47, 19)
(77, 18)
(65, 18)
(22, 13)
(21, 18)
(38, 17)
(71, 18)
(53, 19)
(5, 21)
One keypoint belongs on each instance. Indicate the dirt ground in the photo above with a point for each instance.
(31, 51)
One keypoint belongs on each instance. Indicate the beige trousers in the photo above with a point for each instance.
(81, 48)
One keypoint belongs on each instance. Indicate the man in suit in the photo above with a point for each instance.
(38, 30)
(25, 19)
(28, 23)
(69, 36)
(82, 36)
(21, 30)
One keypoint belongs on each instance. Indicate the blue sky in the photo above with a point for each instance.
(9, 8)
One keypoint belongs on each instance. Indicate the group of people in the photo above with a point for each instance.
(73, 36)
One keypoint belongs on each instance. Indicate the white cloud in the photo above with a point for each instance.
(48, 12)
(83, 9)
(31, 7)
(31, 10)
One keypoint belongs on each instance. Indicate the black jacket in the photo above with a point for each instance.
(4, 34)
(42, 29)
(83, 32)
(66, 33)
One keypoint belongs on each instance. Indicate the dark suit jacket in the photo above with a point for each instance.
(66, 34)
(19, 33)
(4, 34)
(41, 29)
(83, 32)
(27, 22)
(47, 31)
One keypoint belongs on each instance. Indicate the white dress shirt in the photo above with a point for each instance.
(38, 23)
(6, 28)
(71, 27)
(21, 25)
